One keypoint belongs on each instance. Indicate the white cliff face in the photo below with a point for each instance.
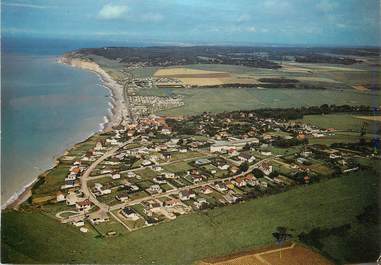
(119, 109)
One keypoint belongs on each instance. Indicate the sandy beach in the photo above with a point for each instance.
(118, 109)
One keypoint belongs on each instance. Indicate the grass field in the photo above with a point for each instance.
(339, 121)
(30, 236)
(198, 100)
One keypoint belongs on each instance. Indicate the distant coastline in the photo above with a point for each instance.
(113, 118)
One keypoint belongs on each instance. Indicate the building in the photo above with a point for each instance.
(186, 195)
(122, 197)
(238, 144)
(83, 206)
(202, 161)
(129, 213)
(266, 168)
(60, 196)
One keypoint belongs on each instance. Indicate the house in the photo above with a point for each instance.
(251, 180)
(154, 189)
(78, 223)
(240, 182)
(220, 186)
(146, 163)
(71, 177)
(60, 196)
(301, 160)
(157, 168)
(152, 204)
(166, 131)
(264, 184)
(122, 197)
(166, 155)
(75, 170)
(223, 166)
(171, 203)
(230, 198)
(115, 176)
(169, 175)
(232, 152)
(98, 217)
(266, 168)
(334, 156)
(159, 180)
(130, 133)
(246, 157)
(234, 169)
(72, 199)
(266, 153)
(129, 213)
(206, 190)
(196, 178)
(131, 188)
(186, 195)
(84, 205)
(202, 161)
(131, 174)
(201, 202)
(229, 185)
(98, 146)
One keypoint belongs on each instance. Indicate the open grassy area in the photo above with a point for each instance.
(33, 237)
(198, 100)
(346, 122)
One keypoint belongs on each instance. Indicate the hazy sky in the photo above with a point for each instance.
(313, 22)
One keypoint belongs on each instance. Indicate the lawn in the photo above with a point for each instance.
(30, 236)
(178, 167)
(146, 173)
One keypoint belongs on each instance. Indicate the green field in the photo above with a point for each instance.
(198, 100)
(30, 236)
(345, 122)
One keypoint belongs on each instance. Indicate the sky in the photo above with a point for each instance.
(305, 22)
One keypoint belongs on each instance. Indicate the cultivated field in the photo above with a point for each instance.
(196, 77)
(291, 254)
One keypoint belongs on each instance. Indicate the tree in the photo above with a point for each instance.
(281, 236)
(244, 167)
(258, 173)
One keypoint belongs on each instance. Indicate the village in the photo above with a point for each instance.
(158, 168)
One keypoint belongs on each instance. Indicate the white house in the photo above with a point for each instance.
(115, 176)
(84, 205)
(60, 196)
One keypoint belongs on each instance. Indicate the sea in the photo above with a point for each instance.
(46, 107)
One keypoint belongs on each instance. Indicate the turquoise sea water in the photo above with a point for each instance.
(46, 108)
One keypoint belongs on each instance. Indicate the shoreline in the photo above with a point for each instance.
(113, 118)
(117, 105)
